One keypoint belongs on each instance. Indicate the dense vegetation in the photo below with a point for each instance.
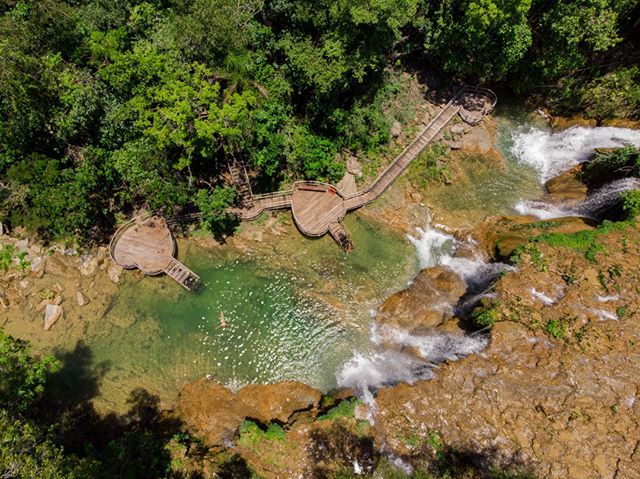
(110, 105)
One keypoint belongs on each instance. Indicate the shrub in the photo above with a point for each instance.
(345, 408)
(484, 317)
(557, 328)
(631, 203)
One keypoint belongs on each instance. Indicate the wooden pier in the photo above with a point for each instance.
(318, 208)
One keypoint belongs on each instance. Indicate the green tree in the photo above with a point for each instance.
(22, 377)
(484, 39)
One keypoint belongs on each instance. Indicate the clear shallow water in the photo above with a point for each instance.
(294, 312)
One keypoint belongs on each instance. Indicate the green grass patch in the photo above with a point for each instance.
(9, 255)
(537, 225)
(250, 434)
(345, 408)
(557, 328)
(431, 165)
(583, 241)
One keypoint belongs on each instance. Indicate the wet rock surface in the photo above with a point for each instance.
(556, 391)
(425, 303)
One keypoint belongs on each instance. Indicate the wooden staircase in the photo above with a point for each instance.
(241, 180)
(183, 275)
(339, 233)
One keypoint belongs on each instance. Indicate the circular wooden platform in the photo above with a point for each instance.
(147, 245)
(315, 206)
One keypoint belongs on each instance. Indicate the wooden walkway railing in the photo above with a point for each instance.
(404, 159)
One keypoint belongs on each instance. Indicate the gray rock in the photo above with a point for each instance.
(82, 299)
(347, 185)
(89, 265)
(396, 129)
(114, 270)
(454, 145)
(22, 245)
(459, 129)
(354, 167)
(52, 313)
(37, 265)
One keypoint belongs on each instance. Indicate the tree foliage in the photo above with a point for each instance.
(106, 106)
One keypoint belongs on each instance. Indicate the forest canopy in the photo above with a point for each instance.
(110, 105)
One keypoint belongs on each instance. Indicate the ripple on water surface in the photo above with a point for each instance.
(280, 325)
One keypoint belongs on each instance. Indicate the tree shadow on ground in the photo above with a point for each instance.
(335, 451)
(135, 444)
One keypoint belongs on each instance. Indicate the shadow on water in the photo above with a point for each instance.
(133, 444)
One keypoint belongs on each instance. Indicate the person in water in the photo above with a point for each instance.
(223, 323)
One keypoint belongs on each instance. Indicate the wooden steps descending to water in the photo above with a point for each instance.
(183, 275)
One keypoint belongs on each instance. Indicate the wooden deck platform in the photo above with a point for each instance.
(147, 244)
(315, 206)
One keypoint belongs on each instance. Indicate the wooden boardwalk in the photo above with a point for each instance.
(147, 244)
(318, 208)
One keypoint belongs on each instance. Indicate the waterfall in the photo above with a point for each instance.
(434, 247)
(595, 204)
(365, 373)
(554, 153)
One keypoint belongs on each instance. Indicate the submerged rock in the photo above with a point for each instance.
(62, 266)
(52, 313)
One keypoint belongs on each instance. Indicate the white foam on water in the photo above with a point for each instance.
(367, 372)
(434, 247)
(541, 296)
(603, 314)
(554, 153)
(595, 204)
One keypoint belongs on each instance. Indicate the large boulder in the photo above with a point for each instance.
(211, 410)
(281, 402)
(215, 412)
(409, 309)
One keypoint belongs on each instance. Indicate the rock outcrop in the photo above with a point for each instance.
(215, 412)
(424, 304)
(556, 391)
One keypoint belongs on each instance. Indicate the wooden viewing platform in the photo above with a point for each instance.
(318, 208)
(147, 244)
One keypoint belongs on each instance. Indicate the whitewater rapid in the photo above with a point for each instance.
(365, 372)
(551, 154)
